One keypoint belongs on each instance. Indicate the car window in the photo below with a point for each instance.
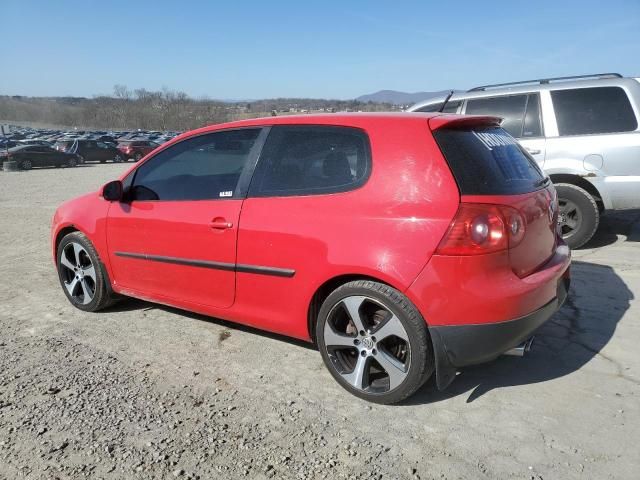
(510, 108)
(450, 107)
(205, 167)
(488, 161)
(102, 145)
(307, 160)
(90, 144)
(584, 111)
(532, 126)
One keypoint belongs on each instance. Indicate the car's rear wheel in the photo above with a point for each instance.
(118, 159)
(26, 165)
(72, 162)
(374, 341)
(578, 214)
(81, 274)
(137, 157)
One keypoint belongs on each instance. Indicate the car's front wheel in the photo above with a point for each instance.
(72, 162)
(26, 165)
(81, 274)
(374, 341)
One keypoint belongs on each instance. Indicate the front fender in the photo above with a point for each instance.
(87, 214)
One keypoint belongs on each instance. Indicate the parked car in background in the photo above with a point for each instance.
(43, 143)
(582, 130)
(91, 150)
(29, 156)
(136, 149)
(305, 227)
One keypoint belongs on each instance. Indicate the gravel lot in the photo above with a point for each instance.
(145, 391)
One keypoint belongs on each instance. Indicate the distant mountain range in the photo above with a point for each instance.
(400, 98)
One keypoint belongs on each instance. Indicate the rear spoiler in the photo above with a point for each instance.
(463, 121)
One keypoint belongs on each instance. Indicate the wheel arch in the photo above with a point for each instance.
(324, 290)
(581, 182)
(63, 232)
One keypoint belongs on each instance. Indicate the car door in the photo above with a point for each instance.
(105, 151)
(521, 118)
(174, 237)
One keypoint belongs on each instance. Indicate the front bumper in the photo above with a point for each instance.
(461, 345)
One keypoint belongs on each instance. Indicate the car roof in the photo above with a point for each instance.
(355, 120)
(528, 88)
(352, 119)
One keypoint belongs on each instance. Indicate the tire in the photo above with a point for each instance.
(117, 159)
(578, 214)
(81, 160)
(86, 287)
(26, 165)
(72, 162)
(137, 157)
(393, 366)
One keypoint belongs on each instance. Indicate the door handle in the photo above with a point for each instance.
(534, 151)
(220, 224)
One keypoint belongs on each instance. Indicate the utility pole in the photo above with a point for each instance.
(8, 165)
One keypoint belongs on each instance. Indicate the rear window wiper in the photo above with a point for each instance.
(542, 182)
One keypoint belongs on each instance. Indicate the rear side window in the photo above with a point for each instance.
(308, 160)
(585, 111)
(205, 167)
(532, 126)
(510, 108)
(488, 161)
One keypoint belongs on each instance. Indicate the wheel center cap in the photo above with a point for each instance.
(368, 343)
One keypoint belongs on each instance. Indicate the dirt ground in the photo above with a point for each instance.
(145, 391)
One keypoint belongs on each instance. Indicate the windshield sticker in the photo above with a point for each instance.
(228, 193)
(491, 140)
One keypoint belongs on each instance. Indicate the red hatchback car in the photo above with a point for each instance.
(136, 149)
(402, 244)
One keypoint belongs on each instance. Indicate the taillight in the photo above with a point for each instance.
(480, 228)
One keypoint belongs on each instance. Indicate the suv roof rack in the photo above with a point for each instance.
(543, 81)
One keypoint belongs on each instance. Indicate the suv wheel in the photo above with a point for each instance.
(374, 341)
(26, 165)
(578, 215)
(81, 274)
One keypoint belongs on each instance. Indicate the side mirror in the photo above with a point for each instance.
(112, 191)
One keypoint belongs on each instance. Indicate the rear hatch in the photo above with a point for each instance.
(500, 184)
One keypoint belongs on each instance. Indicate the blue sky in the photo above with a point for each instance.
(328, 49)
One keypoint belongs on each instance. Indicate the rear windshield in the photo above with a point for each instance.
(488, 161)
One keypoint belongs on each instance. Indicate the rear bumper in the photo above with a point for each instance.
(462, 345)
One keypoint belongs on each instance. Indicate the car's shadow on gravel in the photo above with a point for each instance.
(130, 304)
(597, 301)
(612, 224)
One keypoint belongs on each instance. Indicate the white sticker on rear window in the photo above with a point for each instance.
(491, 140)
(228, 193)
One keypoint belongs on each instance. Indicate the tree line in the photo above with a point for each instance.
(166, 109)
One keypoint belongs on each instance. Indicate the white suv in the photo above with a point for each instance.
(583, 131)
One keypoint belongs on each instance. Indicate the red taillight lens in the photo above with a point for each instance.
(480, 228)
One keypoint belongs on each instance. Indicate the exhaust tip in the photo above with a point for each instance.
(522, 349)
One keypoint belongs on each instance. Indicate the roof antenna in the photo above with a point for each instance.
(444, 104)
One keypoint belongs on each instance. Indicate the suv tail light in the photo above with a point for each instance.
(480, 228)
